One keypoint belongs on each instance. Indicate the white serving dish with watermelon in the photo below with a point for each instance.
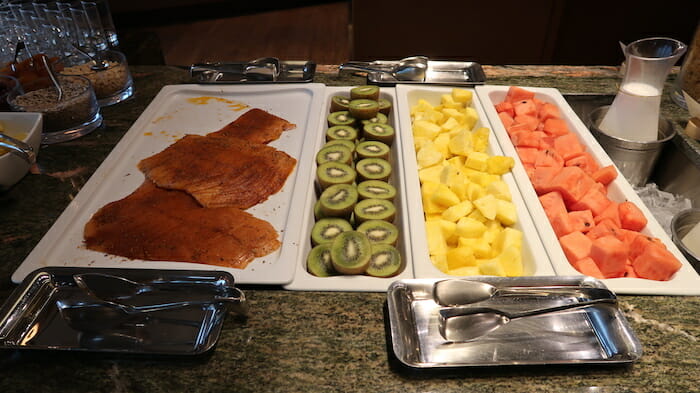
(683, 281)
(534, 258)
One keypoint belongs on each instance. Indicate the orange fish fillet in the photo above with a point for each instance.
(256, 125)
(220, 171)
(165, 225)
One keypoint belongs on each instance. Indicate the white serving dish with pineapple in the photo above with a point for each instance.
(466, 214)
(23, 126)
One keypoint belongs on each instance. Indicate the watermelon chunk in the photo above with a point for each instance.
(525, 107)
(530, 120)
(549, 157)
(552, 203)
(568, 146)
(605, 175)
(561, 223)
(516, 93)
(581, 220)
(588, 267)
(592, 200)
(505, 107)
(542, 178)
(656, 263)
(571, 182)
(524, 138)
(506, 119)
(548, 111)
(631, 217)
(576, 246)
(611, 213)
(610, 254)
(585, 161)
(555, 126)
(604, 228)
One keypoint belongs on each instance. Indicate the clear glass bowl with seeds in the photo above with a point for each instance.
(112, 84)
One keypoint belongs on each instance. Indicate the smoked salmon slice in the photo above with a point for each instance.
(220, 171)
(257, 126)
(168, 225)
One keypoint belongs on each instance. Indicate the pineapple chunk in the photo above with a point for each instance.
(487, 206)
(498, 165)
(427, 129)
(456, 113)
(454, 213)
(478, 161)
(476, 214)
(511, 261)
(444, 196)
(420, 141)
(440, 142)
(508, 237)
(461, 143)
(427, 190)
(499, 189)
(491, 267)
(448, 102)
(450, 174)
(437, 245)
(506, 212)
(433, 216)
(430, 174)
(465, 271)
(440, 262)
(470, 228)
(463, 96)
(450, 124)
(459, 257)
(473, 191)
(493, 231)
(470, 117)
(449, 228)
(428, 156)
(482, 249)
(481, 139)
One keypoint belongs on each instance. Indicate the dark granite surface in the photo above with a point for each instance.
(320, 342)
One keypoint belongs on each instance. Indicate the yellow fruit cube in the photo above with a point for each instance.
(471, 116)
(428, 156)
(481, 139)
(430, 174)
(470, 228)
(454, 213)
(476, 214)
(493, 230)
(473, 191)
(506, 212)
(511, 260)
(449, 228)
(477, 160)
(491, 267)
(440, 262)
(440, 142)
(480, 247)
(508, 237)
(462, 96)
(450, 174)
(447, 101)
(420, 141)
(465, 271)
(444, 196)
(461, 143)
(460, 257)
(437, 245)
(433, 216)
(427, 129)
(456, 161)
(456, 113)
(487, 206)
(427, 190)
(499, 189)
(450, 124)
(498, 165)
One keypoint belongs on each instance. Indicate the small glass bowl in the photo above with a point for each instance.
(8, 85)
(112, 84)
(75, 115)
(681, 224)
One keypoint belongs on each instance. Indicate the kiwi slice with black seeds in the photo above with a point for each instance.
(372, 149)
(380, 118)
(380, 231)
(340, 118)
(363, 109)
(376, 189)
(317, 210)
(374, 209)
(319, 263)
(339, 103)
(350, 252)
(368, 92)
(331, 173)
(335, 153)
(343, 142)
(373, 169)
(384, 106)
(347, 133)
(326, 229)
(385, 261)
(338, 200)
(379, 132)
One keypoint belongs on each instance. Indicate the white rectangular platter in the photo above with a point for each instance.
(535, 260)
(193, 109)
(685, 282)
(303, 280)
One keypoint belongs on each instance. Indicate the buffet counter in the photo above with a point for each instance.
(315, 341)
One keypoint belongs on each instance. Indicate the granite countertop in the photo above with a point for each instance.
(302, 341)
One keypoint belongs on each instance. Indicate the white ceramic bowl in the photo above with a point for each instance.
(29, 125)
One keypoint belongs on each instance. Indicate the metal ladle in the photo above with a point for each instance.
(461, 324)
(453, 292)
(408, 69)
(18, 148)
(53, 77)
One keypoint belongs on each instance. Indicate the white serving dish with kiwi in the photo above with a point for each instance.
(303, 278)
(535, 261)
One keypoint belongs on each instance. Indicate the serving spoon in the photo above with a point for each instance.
(97, 64)
(463, 324)
(18, 148)
(460, 292)
(408, 69)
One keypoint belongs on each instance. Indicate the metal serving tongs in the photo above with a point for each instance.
(408, 69)
(18, 148)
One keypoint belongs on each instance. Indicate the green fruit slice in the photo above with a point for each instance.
(342, 142)
(334, 153)
(376, 189)
(384, 106)
(350, 252)
(372, 149)
(340, 118)
(380, 118)
(326, 230)
(368, 92)
(373, 169)
(385, 261)
(339, 103)
(379, 132)
(374, 209)
(379, 232)
(338, 200)
(331, 173)
(319, 263)
(341, 132)
(363, 109)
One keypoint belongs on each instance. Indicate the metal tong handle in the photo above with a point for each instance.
(18, 148)
(450, 312)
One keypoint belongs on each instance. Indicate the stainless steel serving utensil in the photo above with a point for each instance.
(53, 77)
(408, 69)
(262, 69)
(97, 64)
(455, 292)
(461, 324)
(18, 148)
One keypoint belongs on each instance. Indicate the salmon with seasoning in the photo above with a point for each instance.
(257, 126)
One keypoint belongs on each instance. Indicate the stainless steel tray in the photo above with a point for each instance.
(595, 334)
(232, 73)
(439, 72)
(30, 318)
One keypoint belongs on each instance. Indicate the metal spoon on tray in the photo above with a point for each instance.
(462, 324)
(409, 69)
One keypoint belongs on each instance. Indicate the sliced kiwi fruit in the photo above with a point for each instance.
(326, 229)
(350, 252)
(317, 210)
(384, 106)
(343, 142)
(339, 103)
(347, 133)
(335, 153)
(340, 118)
(338, 200)
(379, 132)
(374, 209)
(363, 109)
(385, 261)
(376, 189)
(380, 231)
(373, 169)
(380, 118)
(372, 149)
(319, 263)
(368, 92)
(330, 173)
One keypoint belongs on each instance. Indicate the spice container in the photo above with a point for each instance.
(112, 84)
(75, 115)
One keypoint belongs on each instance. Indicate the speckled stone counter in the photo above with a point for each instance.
(314, 342)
